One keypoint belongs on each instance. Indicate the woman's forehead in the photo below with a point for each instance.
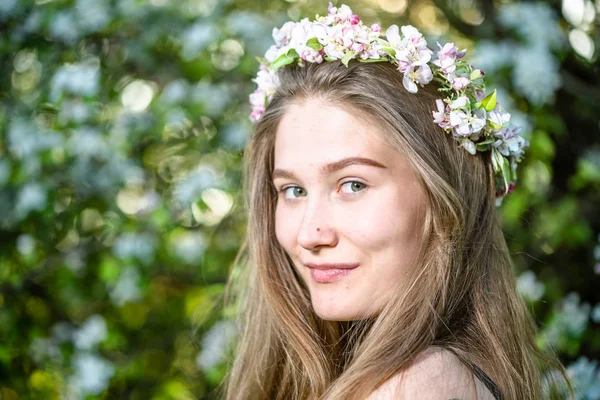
(315, 128)
(325, 138)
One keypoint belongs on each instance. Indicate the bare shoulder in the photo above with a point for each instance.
(435, 374)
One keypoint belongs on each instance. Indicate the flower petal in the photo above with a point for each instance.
(409, 84)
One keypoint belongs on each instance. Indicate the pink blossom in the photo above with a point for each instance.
(460, 82)
(257, 100)
(479, 94)
(357, 47)
(271, 53)
(413, 75)
(468, 145)
(510, 143)
(413, 35)
(446, 58)
(459, 102)
(354, 19)
(341, 14)
(412, 55)
(311, 55)
(334, 51)
(439, 116)
(393, 36)
(462, 120)
(376, 28)
(282, 35)
(424, 75)
(499, 117)
(256, 114)
(267, 80)
(342, 35)
(344, 13)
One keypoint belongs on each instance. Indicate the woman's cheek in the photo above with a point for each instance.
(286, 227)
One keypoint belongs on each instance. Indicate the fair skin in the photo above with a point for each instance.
(345, 196)
(436, 374)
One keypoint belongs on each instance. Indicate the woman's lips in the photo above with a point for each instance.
(325, 273)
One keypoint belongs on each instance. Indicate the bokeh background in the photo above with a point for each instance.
(122, 129)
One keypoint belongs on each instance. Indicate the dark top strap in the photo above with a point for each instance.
(487, 381)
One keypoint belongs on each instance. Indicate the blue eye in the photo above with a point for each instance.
(354, 187)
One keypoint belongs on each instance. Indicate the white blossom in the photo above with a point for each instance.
(189, 189)
(92, 374)
(585, 376)
(190, 247)
(7, 7)
(82, 79)
(127, 288)
(196, 38)
(536, 75)
(92, 15)
(571, 318)
(492, 56)
(140, 246)
(213, 97)
(87, 142)
(91, 333)
(529, 287)
(63, 27)
(31, 197)
(537, 23)
(235, 136)
(175, 92)
(215, 344)
(25, 244)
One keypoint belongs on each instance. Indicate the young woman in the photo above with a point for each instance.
(376, 266)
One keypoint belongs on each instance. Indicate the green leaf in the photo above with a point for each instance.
(482, 146)
(391, 51)
(496, 160)
(489, 101)
(501, 166)
(373, 60)
(347, 57)
(314, 44)
(284, 59)
(476, 74)
(494, 125)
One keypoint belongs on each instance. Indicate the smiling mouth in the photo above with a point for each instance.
(332, 265)
(327, 273)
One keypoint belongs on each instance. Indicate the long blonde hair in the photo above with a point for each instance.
(461, 296)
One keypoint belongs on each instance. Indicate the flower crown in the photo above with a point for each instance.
(474, 118)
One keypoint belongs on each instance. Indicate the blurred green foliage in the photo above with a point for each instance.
(122, 126)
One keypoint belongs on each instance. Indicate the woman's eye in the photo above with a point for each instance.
(292, 192)
(350, 187)
(353, 187)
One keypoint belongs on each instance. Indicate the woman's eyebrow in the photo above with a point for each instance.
(331, 167)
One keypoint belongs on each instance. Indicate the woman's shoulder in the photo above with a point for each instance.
(436, 373)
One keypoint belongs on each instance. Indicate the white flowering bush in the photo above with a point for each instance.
(122, 126)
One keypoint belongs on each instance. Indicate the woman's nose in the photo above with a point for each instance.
(316, 229)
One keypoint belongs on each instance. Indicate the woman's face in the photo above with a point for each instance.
(349, 210)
